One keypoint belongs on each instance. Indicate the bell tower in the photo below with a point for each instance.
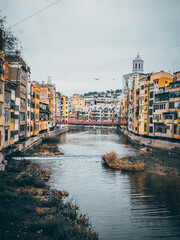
(138, 65)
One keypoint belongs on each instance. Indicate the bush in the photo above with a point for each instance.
(27, 180)
(129, 163)
(7, 195)
(110, 157)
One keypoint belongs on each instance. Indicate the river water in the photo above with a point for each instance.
(119, 205)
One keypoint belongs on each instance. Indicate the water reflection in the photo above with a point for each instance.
(120, 206)
(155, 202)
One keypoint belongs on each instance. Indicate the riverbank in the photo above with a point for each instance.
(29, 209)
(47, 147)
(30, 144)
(160, 162)
(159, 156)
(141, 141)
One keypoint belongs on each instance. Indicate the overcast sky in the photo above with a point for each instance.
(72, 37)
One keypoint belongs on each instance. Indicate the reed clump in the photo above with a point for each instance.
(128, 163)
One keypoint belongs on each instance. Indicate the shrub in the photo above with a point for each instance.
(110, 157)
(27, 180)
(128, 163)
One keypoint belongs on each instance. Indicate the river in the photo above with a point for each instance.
(119, 205)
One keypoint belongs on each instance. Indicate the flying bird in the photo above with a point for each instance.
(97, 79)
(113, 79)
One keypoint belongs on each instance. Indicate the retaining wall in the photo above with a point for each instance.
(23, 146)
(149, 142)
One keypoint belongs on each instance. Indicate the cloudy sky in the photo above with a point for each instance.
(75, 41)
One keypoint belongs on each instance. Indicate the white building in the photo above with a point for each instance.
(137, 69)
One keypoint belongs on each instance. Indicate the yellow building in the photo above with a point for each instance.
(146, 109)
(142, 82)
(36, 97)
(125, 108)
(50, 96)
(2, 55)
(45, 107)
(176, 76)
(64, 107)
(136, 105)
(12, 115)
(172, 116)
(161, 81)
(162, 78)
(78, 101)
(75, 104)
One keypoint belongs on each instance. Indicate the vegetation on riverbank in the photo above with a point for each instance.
(151, 160)
(30, 210)
(128, 163)
(48, 147)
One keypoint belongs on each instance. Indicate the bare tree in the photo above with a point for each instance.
(11, 41)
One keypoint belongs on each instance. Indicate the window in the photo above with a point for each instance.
(177, 104)
(22, 127)
(151, 120)
(6, 115)
(12, 134)
(145, 99)
(146, 91)
(1, 62)
(150, 112)
(0, 109)
(175, 128)
(151, 94)
(135, 65)
(151, 129)
(175, 94)
(6, 135)
(171, 105)
(169, 117)
(12, 114)
(139, 66)
(150, 103)
(1, 87)
(142, 87)
(16, 133)
(7, 97)
(145, 127)
(22, 116)
(162, 97)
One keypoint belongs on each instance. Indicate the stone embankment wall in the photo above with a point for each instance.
(150, 142)
(23, 146)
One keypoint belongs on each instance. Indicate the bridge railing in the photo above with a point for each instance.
(94, 119)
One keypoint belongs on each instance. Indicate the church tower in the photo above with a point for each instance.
(138, 65)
